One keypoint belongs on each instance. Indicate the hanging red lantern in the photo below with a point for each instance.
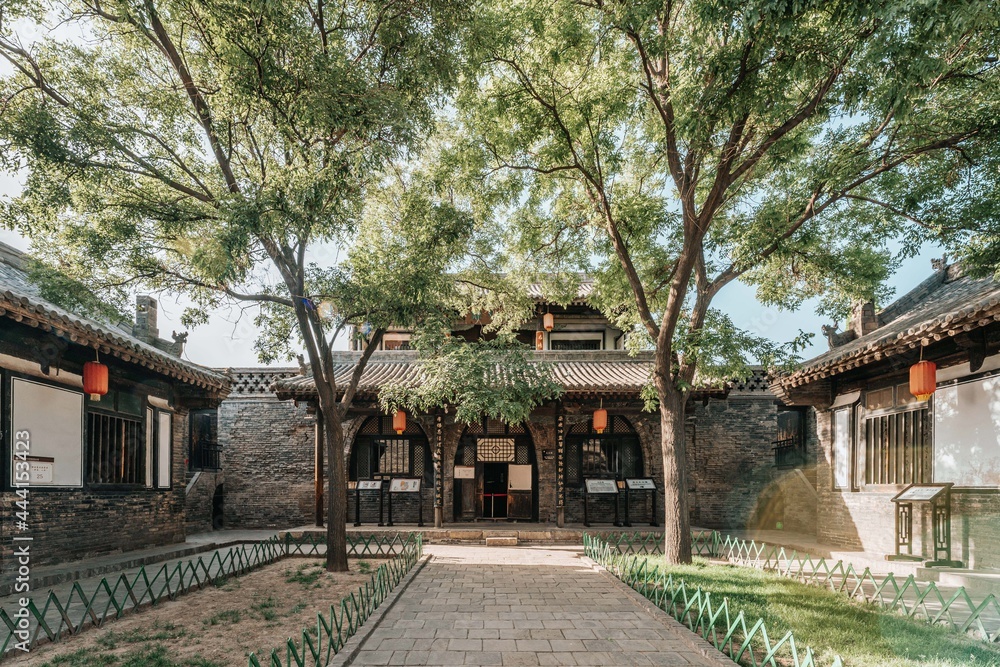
(600, 419)
(95, 379)
(399, 422)
(923, 379)
(548, 321)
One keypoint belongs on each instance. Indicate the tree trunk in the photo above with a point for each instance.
(677, 525)
(336, 497)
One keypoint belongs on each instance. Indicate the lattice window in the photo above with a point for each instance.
(466, 455)
(393, 456)
(496, 450)
(116, 449)
(615, 453)
(522, 454)
(379, 452)
(897, 448)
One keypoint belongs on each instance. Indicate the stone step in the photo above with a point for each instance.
(501, 541)
(980, 582)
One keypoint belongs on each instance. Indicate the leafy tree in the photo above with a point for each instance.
(215, 147)
(672, 148)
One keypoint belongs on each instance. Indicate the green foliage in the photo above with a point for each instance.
(488, 378)
(792, 146)
(260, 165)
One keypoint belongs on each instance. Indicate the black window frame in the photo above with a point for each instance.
(375, 434)
(204, 450)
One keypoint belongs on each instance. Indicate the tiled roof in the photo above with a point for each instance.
(578, 372)
(944, 305)
(585, 289)
(20, 301)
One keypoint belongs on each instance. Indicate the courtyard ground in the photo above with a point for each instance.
(215, 627)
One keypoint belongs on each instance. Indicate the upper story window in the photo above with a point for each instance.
(566, 340)
(396, 341)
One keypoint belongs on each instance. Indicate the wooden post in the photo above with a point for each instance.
(439, 472)
(318, 476)
(560, 467)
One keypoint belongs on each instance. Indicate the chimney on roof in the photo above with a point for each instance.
(145, 328)
(863, 319)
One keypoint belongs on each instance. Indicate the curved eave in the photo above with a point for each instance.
(882, 347)
(82, 332)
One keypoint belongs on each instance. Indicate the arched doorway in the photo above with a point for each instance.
(614, 454)
(379, 453)
(496, 474)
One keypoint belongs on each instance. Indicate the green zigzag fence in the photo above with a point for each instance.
(320, 644)
(115, 597)
(746, 642)
(918, 600)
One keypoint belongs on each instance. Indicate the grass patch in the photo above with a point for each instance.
(158, 632)
(230, 616)
(307, 574)
(266, 608)
(152, 656)
(832, 624)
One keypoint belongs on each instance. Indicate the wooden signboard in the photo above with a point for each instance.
(601, 486)
(400, 485)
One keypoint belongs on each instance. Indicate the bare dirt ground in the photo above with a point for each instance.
(214, 627)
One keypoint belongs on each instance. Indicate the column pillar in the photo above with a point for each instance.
(438, 471)
(318, 473)
(560, 467)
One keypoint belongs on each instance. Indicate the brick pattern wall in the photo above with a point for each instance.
(68, 524)
(268, 456)
(732, 479)
(198, 502)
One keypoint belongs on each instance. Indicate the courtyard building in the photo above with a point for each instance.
(875, 439)
(107, 471)
(495, 472)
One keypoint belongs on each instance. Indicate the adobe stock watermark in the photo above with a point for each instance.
(22, 541)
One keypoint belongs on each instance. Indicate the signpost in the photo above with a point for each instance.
(406, 485)
(366, 485)
(640, 484)
(599, 487)
(938, 496)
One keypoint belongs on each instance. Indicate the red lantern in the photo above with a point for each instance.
(600, 420)
(399, 422)
(548, 321)
(95, 379)
(923, 379)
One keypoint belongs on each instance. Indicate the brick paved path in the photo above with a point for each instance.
(524, 606)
